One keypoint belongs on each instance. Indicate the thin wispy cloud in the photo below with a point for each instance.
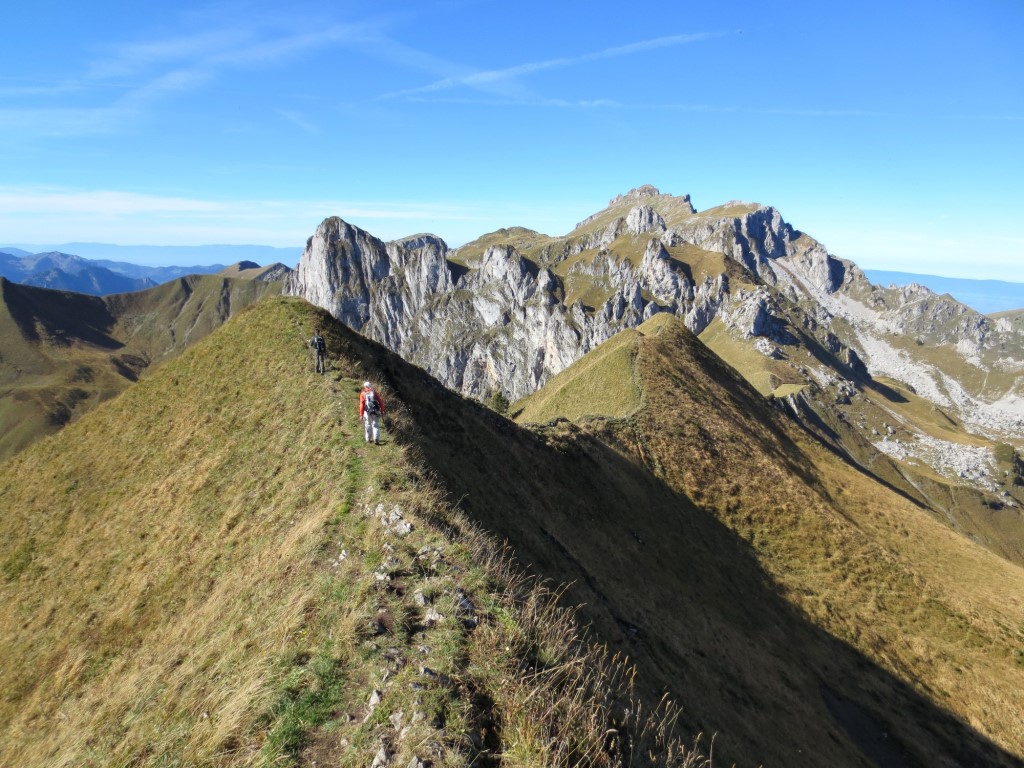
(126, 80)
(300, 121)
(486, 78)
(521, 102)
(126, 217)
(134, 59)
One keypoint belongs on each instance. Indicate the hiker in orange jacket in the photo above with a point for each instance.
(371, 408)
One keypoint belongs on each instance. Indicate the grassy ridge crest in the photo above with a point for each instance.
(215, 569)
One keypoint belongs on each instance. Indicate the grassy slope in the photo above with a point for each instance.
(885, 403)
(148, 576)
(178, 595)
(602, 384)
(221, 582)
(858, 560)
(771, 585)
(64, 353)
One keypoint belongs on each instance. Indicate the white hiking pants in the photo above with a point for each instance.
(371, 427)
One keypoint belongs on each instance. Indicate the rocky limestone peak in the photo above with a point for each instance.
(503, 262)
(645, 192)
(641, 197)
(643, 219)
(637, 193)
(421, 241)
(509, 319)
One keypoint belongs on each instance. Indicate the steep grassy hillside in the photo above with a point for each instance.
(770, 587)
(601, 384)
(885, 415)
(239, 579)
(63, 353)
(215, 569)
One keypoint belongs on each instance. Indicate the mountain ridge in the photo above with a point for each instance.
(510, 310)
(238, 574)
(985, 296)
(570, 535)
(246, 480)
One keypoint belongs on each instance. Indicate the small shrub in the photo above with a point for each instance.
(1004, 453)
(498, 402)
(82, 373)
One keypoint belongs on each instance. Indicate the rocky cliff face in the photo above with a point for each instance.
(502, 322)
(507, 312)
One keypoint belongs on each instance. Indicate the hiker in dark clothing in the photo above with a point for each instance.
(318, 344)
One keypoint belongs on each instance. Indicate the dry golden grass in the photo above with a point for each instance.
(192, 576)
(869, 595)
(215, 585)
(175, 535)
(969, 648)
(763, 373)
(922, 414)
(932, 608)
(730, 210)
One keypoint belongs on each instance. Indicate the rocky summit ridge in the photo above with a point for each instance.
(510, 310)
(503, 316)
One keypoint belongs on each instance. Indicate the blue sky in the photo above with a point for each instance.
(891, 132)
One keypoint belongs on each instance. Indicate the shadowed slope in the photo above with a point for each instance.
(698, 535)
(214, 569)
(204, 589)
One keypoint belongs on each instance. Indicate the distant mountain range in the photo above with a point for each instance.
(88, 273)
(65, 271)
(164, 254)
(985, 296)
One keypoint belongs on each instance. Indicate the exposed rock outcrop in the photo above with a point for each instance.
(508, 319)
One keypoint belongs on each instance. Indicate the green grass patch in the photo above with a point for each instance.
(20, 559)
(311, 692)
(600, 384)
(1005, 453)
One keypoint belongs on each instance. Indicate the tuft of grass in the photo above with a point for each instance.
(20, 559)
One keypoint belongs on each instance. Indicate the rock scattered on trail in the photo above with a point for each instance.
(375, 699)
(382, 758)
(393, 520)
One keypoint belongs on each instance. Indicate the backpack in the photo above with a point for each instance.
(370, 404)
(318, 342)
